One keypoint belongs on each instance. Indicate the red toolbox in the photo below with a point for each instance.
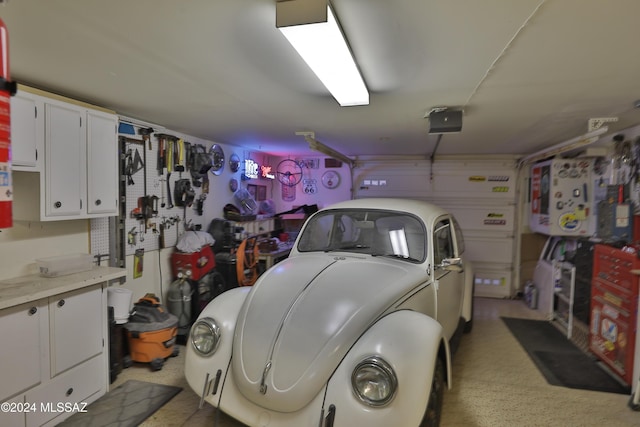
(199, 263)
(614, 309)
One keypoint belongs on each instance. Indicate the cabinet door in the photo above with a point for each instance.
(21, 332)
(76, 320)
(13, 419)
(65, 148)
(102, 163)
(23, 130)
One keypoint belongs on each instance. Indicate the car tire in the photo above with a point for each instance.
(436, 396)
(468, 326)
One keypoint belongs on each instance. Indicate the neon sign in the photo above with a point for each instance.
(250, 169)
(267, 172)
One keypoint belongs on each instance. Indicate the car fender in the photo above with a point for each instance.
(410, 342)
(224, 310)
(469, 278)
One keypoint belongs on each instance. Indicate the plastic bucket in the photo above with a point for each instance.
(120, 300)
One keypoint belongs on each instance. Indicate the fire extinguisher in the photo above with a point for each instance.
(7, 89)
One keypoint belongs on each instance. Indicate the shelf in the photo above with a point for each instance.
(563, 305)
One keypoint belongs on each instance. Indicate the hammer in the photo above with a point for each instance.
(146, 133)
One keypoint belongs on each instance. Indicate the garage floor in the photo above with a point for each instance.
(495, 385)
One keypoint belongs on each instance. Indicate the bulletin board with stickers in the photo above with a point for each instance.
(163, 187)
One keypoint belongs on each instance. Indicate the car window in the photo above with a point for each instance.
(442, 242)
(374, 232)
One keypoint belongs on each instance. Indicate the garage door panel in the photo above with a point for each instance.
(488, 250)
(483, 218)
(480, 193)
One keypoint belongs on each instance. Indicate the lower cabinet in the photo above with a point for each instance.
(55, 357)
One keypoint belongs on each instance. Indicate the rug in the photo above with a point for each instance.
(125, 406)
(559, 360)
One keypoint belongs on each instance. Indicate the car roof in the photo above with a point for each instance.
(425, 210)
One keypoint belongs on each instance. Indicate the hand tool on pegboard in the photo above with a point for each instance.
(146, 135)
(179, 157)
(168, 160)
(133, 163)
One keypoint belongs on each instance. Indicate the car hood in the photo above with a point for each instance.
(302, 317)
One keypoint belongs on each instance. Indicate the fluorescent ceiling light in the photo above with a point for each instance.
(325, 50)
(572, 144)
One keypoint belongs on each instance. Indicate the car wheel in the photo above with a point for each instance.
(436, 396)
(468, 326)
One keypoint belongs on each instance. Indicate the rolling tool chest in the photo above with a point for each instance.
(614, 309)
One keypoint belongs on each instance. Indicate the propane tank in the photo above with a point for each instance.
(7, 89)
(179, 302)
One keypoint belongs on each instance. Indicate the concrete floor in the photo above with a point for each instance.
(495, 384)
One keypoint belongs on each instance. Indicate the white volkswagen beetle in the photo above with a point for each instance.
(352, 329)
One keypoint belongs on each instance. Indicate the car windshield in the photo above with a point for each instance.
(374, 232)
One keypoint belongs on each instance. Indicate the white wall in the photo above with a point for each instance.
(25, 242)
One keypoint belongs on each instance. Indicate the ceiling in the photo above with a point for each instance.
(528, 73)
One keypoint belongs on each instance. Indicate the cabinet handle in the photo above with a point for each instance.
(69, 391)
(57, 205)
(98, 202)
(33, 310)
(61, 303)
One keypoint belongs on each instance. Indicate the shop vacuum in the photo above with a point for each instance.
(151, 332)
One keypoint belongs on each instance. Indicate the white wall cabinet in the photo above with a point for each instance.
(65, 150)
(61, 354)
(80, 174)
(26, 128)
(102, 164)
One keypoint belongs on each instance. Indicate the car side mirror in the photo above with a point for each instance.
(451, 264)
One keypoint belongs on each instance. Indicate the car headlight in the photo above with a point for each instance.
(205, 336)
(374, 382)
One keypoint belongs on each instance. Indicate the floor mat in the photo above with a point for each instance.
(125, 406)
(559, 360)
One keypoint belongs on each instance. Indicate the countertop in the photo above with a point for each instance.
(24, 289)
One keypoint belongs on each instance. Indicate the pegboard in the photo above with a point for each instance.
(147, 233)
(146, 182)
(99, 236)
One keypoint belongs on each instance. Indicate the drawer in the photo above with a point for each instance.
(614, 266)
(616, 297)
(73, 386)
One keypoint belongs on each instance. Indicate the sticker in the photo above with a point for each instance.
(495, 215)
(609, 297)
(6, 190)
(569, 222)
(609, 331)
(498, 178)
(500, 190)
(610, 312)
(495, 222)
(622, 216)
(477, 178)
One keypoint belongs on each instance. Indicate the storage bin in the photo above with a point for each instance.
(64, 264)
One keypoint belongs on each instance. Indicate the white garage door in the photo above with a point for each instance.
(481, 193)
